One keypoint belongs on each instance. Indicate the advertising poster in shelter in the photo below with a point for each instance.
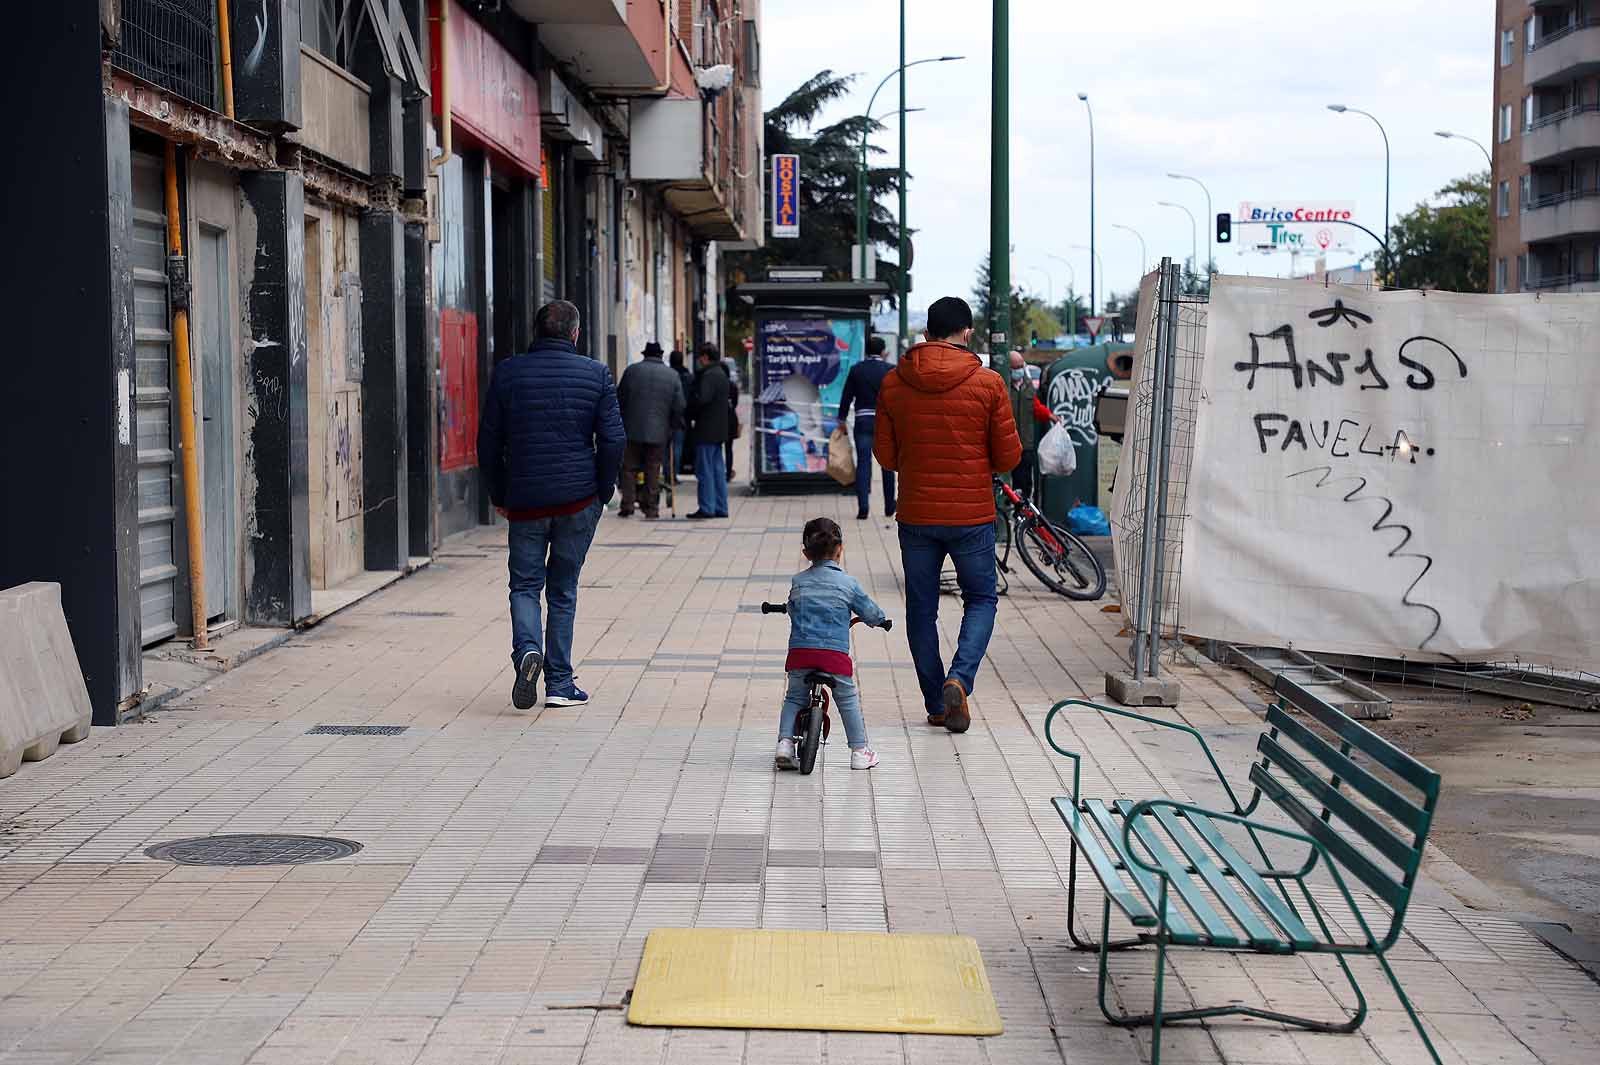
(801, 364)
(1397, 474)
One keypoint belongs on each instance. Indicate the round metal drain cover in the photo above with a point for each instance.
(253, 850)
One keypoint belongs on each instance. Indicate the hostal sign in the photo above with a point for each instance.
(785, 195)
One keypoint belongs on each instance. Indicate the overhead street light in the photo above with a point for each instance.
(1211, 218)
(1050, 282)
(1090, 108)
(1342, 109)
(1144, 253)
(1072, 292)
(1194, 239)
(861, 165)
(1448, 135)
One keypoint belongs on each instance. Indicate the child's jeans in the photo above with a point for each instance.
(845, 699)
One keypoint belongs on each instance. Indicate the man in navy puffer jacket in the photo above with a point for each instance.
(549, 445)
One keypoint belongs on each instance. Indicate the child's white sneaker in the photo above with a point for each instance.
(863, 758)
(784, 758)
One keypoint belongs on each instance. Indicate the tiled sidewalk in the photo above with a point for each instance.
(513, 863)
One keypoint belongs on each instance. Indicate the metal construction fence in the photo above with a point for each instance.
(1150, 503)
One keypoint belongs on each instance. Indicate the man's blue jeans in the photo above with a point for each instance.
(866, 433)
(923, 549)
(711, 479)
(546, 556)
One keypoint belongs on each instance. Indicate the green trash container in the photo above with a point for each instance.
(1069, 386)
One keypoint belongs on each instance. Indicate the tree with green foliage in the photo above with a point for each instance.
(1039, 322)
(829, 159)
(982, 308)
(1444, 244)
(1071, 312)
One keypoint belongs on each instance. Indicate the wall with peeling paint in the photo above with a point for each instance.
(334, 371)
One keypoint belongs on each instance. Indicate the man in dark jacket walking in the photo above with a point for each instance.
(681, 463)
(861, 389)
(712, 430)
(652, 406)
(549, 445)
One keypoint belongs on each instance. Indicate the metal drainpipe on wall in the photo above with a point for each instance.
(178, 294)
(668, 10)
(446, 127)
(224, 40)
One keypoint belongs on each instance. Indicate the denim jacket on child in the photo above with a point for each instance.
(822, 600)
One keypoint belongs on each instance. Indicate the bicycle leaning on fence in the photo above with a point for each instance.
(1062, 561)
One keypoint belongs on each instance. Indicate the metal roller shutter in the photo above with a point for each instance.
(158, 565)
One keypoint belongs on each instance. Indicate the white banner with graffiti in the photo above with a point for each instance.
(1398, 474)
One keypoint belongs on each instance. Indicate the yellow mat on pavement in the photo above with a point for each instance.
(813, 981)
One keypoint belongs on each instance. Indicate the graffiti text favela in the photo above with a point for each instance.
(1418, 365)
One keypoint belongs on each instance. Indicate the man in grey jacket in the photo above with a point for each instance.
(652, 408)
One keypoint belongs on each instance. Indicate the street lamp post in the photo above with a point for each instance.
(1448, 135)
(1072, 293)
(1090, 108)
(1194, 237)
(1489, 199)
(1342, 109)
(1049, 282)
(861, 164)
(1211, 219)
(1144, 253)
(1094, 258)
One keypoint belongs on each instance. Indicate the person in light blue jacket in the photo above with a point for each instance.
(822, 600)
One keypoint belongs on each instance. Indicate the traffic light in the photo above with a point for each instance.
(1224, 228)
(1033, 340)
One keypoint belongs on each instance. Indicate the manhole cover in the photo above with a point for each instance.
(252, 850)
(357, 730)
(630, 544)
(420, 614)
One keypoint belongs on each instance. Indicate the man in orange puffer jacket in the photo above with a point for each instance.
(945, 425)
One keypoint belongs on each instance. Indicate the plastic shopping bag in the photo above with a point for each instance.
(1057, 455)
(841, 457)
(1084, 520)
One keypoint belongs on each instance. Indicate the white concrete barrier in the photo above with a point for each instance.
(43, 700)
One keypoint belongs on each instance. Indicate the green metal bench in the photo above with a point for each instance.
(1361, 808)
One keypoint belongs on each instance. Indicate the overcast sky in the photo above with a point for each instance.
(1234, 92)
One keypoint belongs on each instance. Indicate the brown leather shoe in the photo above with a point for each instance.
(936, 720)
(956, 716)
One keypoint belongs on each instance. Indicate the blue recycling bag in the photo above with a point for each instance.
(1085, 520)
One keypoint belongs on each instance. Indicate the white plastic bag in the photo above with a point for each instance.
(1057, 455)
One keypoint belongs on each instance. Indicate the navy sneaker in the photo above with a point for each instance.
(525, 689)
(576, 697)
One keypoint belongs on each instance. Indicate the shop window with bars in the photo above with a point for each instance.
(173, 44)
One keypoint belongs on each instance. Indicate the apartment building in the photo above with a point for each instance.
(280, 258)
(1545, 190)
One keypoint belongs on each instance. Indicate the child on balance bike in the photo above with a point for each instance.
(823, 599)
